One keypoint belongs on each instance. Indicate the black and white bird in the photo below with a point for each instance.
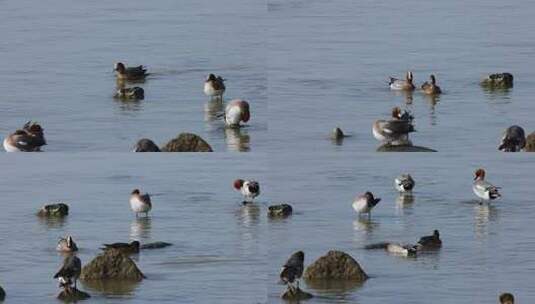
(404, 183)
(69, 272)
(364, 203)
(484, 189)
(292, 270)
(248, 188)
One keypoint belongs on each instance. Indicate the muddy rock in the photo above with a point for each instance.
(54, 210)
(280, 210)
(530, 143)
(71, 295)
(403, 148)
(296, 295)
(499, 80)
(187, 142)
(111, 264)
(335, 265)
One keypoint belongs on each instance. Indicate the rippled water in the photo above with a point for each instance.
(487, 249)
(57, 68)
(219, 248)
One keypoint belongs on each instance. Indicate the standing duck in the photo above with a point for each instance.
(248, 188)
(484, 189)
(28, 139)
(214, 86)
(395, 131)
(513, 140)
(69, 272)
(364, 203)
(237, 111)
(140, 203)
(130, 73)
(402, 85)
(292, 270)
(431, 88)
(404, 183)
(66, 245)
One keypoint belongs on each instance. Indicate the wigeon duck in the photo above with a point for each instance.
(513, 140)
(130, 73)
(67, 245)
(292, 270)
(125, 248)
(214, 86)
(28, 139)
(484, 189)
(237, 111)
(430, 242)
(130, 93)
(140, 203)
(146, 145)
(431, 88)
(395, 131)
(248, 188)
(395, 248)
(69, 272)
(404, 183)
(364, 203)
(402, 85)
(507, 298)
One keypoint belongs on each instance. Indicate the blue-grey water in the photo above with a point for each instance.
(219, 246)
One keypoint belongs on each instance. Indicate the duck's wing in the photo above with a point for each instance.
(398, 127)
(136, 71)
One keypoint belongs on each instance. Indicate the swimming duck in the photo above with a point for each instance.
(395, 131)
(131, 73)
(130, 93)
(507, 298)
(140, 203)
(431, 88)
(364, 203)
(404, 183)
(395, 248)
(402, 85)
(484, 189)
(146, 145)
(248, 188)
(214, 86)
(69, 271)
(125, 248)
(292, 270)
(237, 111)
(430, 241)
(67, 245)
(28, 139)
(513, 140)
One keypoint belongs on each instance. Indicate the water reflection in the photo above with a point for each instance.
(249, 215)
(213, 110)
(404, 201)
(407, 96)
(335, 287)
(237, 139)
(484, 214)
(112, 287)
(365, 224)
(141, 228)
(55, 222)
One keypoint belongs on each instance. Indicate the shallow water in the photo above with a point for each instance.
(57, 68)
(219, 248)
(329, 63)
(487, 249)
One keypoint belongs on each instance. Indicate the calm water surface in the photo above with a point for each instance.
(57, 62)
(219, 251)
(487, 249)
(329, 62)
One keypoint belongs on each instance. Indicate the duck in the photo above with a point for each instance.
(404, 183)
(484, 189)
(431, 88)
(125, 248)
(406, 250)
(513, 139)
(402, 85)
(292, 270)
(214, 86)
(237, 111)
(69, 271)
(395, 131)
(146, 145)
(66, 244)
(140, 203)
(507, 298)
(365, 203)
(28, 139)
(248, 188)
(133, 93)
(130, 73)
(429, 242)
